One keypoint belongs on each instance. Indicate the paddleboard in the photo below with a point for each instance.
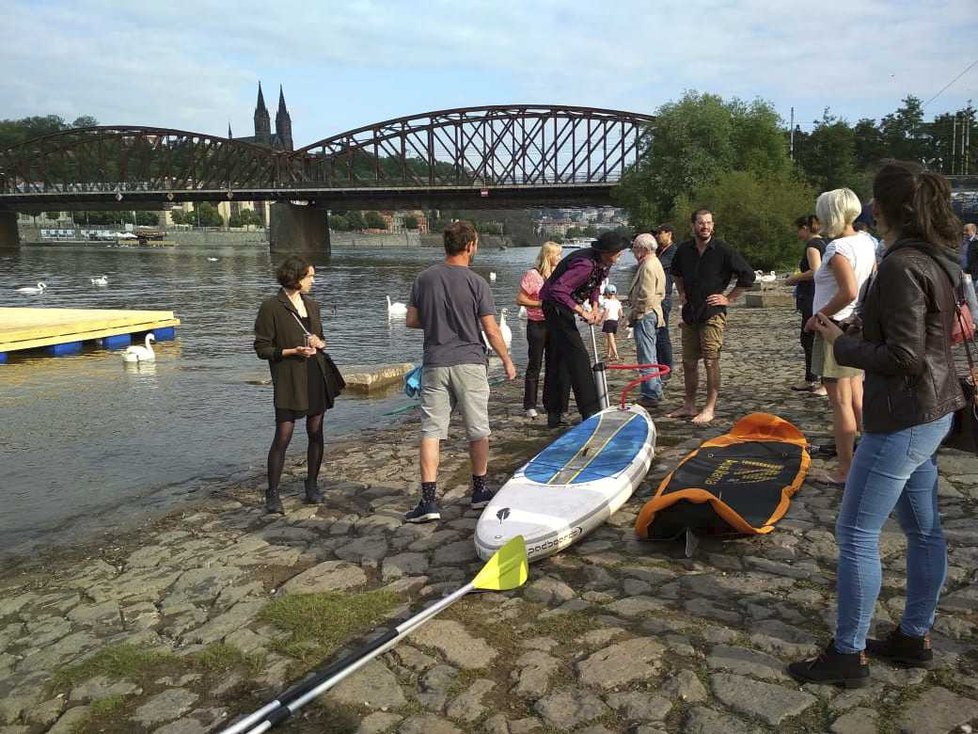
(572, 486)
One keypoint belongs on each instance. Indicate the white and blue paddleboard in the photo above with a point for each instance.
(572, 486)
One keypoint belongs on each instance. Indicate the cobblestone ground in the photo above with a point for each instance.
(164, 630)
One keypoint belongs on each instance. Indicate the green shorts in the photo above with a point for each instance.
(703, 341)
(824, 364)
(444, 388)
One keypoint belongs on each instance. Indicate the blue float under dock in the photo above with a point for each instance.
(64, 331)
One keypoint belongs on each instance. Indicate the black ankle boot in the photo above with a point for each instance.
(313, 495)
(273, 503)
(831, 666)
(914, 652)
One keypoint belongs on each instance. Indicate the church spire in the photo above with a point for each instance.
(263, 123)
(230, 136)
(283, 122)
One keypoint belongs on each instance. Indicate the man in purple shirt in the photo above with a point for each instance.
(576, 279)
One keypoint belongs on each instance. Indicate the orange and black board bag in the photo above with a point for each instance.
(740, 483)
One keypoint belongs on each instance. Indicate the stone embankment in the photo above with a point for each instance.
(200, 617)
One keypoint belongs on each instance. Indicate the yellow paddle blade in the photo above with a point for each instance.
(507, 569)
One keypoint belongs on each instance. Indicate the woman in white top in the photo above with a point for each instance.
(849, 260)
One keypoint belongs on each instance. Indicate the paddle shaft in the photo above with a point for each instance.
(600, 378)
(294, 698)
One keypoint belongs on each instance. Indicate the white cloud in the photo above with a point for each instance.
(192, 64)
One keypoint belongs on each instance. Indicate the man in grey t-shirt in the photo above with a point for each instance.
(453, 306)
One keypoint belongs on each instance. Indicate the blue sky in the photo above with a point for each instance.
(196, 65)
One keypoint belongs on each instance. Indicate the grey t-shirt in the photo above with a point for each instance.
(450, 300)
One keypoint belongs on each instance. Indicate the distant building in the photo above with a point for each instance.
(281, 139)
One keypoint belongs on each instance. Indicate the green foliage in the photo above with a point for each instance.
(754, 213)
(320, 623)
(356, 220)
(339, 223)
(206, 215)
(179, 216)
(373, 220)
(219, 657)
(828, 154)
(53, 216)
(411, 222)
(694, 140)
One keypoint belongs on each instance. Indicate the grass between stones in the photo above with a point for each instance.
(319, 624)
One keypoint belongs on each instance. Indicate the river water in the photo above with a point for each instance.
(87, 442)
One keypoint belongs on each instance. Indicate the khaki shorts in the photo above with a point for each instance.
(443, 388)
(703, 341)
(824, 364)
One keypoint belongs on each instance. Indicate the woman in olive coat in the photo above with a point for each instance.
(289, 334)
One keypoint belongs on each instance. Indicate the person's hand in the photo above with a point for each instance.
(316, 342)
(717, 299)
(510, 369)
(306, 352)
(826, 328)
(811, 323)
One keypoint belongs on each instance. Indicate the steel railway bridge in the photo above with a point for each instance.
(499, 156)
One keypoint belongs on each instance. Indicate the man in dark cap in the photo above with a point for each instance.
(575, 281)
(665, 253)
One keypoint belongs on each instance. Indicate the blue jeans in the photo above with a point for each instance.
(645, 335)
(890, 470)
(663, 343)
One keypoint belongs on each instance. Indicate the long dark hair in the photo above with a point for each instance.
(917, 203)
(810, 222)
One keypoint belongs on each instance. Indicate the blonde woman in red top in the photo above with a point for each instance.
(536, 328)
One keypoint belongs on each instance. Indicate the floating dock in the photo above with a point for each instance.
(62, 331)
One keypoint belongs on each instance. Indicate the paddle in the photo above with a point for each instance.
(507, 569)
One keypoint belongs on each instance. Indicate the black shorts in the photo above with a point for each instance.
(610, 327)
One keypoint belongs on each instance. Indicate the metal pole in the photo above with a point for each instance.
(954, 142)
(791, 146)
(600, 374)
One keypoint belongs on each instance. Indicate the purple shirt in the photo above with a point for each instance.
(579, 271)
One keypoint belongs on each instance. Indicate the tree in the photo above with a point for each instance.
(53, 216)
(868, 144)
(339, 223)
(356, 220)
(693, 141)
(373, 220)
(754, 213)
(411, 222)
(903, 133)
(827, 154)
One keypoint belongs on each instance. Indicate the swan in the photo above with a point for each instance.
(31, 290)
(212, 259)
(492, 277)
(504, 331)
(100, 280)
(141, 354)
(396, 308)
(767, 277)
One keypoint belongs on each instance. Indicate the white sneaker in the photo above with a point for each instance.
(531, 413)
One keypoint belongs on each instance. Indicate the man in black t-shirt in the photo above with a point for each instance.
(702, 269)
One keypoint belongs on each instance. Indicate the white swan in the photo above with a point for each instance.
(101, 280)
(492, 277)
(504, 331)
(212, 259)
(395, 309)
(141, 354)
(31, 290)
(768, 277)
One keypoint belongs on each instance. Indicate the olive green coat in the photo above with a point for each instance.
(276, 328)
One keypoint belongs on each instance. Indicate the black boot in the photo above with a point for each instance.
(313, 495)
(914, 652)
(831, 666)
(273, 504)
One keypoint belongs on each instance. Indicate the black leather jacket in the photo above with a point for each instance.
(905, 342)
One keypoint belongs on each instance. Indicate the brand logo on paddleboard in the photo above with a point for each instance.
(503, 514)
(557, 542)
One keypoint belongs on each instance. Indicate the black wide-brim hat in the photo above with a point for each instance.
(610, 242)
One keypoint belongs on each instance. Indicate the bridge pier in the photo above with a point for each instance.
(298, 228)
(9, 237)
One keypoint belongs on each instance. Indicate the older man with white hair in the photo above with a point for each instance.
(645, 311)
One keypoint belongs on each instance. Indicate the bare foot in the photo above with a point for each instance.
(683, 412)
(820, 392)
(703, 419)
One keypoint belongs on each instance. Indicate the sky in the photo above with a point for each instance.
(349, 63)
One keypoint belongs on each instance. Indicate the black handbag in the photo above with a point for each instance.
(964, 430)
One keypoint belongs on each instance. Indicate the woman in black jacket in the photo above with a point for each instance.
(289, 334)
(911, 393)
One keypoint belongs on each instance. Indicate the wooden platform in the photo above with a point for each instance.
(34, 328)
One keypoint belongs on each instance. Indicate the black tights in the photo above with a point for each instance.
(283, 436)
